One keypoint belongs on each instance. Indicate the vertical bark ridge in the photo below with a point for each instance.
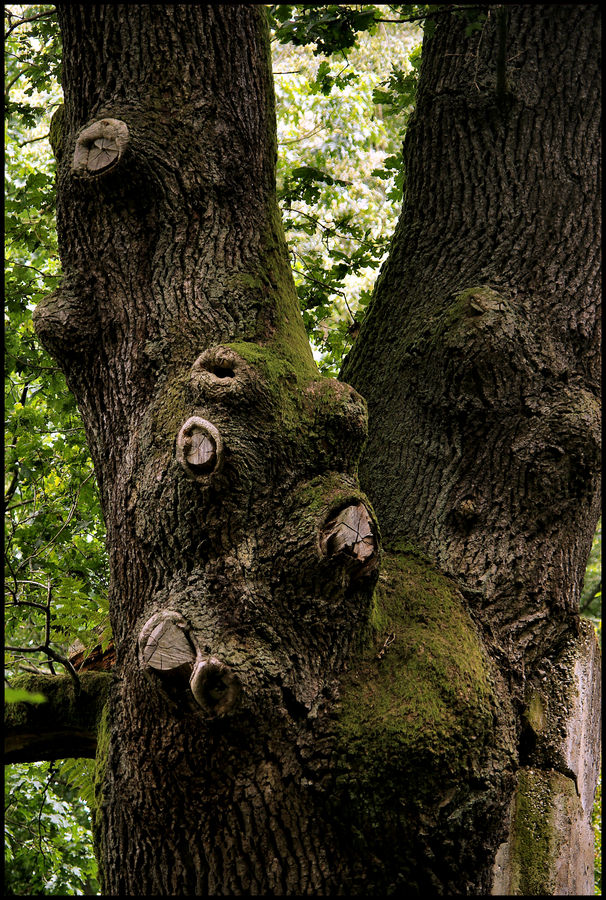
(504, 203)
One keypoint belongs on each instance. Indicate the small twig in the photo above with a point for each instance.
(14, 80)
(35, 670)
(70, 516)
(322, 284)
(15, 479)
(303, 136)
(431, 15)
(33, 140)
(52, 654)
(42, 15)
(29, 581)
(388, 641)
(333, 229)
(30, 603)
(51, 766)
(47, 629)
(597, 590)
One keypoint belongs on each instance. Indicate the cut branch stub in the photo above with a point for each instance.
(199, 448)
(223, 376)
(164, 644)
(166, 648)
(216, 688)
(100, 147)
(351, 535)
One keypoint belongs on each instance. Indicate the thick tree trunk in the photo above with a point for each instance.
(479, 359)
(227, 467)
(277, 725)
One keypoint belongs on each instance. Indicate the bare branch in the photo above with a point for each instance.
(24, 21)
(52, 654)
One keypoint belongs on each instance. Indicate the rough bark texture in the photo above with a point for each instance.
(479, 359)
(550, 846)
(278, 725)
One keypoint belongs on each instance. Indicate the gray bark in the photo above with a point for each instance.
(297, 711)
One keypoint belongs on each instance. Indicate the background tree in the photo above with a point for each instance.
(387, 637)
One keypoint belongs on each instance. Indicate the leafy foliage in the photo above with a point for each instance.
(47, 834)
(330, 27)
(340, 181)
(591, 595)
(55, 561)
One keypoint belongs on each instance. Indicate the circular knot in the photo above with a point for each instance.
(100, 147)
(199, 448)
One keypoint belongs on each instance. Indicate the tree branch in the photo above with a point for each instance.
(65, 726)
(433, 15)
(42, 15)
(52, 654)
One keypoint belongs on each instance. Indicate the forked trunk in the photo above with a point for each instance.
(285, 718)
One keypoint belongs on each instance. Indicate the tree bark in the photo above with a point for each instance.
(479, 358)
(296, 711)
(479, 361)
(65, 725)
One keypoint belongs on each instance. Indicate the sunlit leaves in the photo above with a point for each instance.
(329, 28)
(340, 173)
(47, 838)
(397, 93)
(54, 550)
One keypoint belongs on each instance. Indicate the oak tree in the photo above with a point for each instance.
(345, 611)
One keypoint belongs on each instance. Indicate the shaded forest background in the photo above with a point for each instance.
(345, 87)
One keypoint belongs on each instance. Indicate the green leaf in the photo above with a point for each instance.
(20, 695)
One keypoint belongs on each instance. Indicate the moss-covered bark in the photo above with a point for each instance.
(426, 730)
(370, 738)
(65, 725)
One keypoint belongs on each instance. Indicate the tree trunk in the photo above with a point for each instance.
(278, 725)
(479, 359)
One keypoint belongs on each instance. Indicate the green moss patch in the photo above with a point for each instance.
(417, 706)
(535, 838)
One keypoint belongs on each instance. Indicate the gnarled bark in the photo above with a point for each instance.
(479, 358)
(278, 725)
